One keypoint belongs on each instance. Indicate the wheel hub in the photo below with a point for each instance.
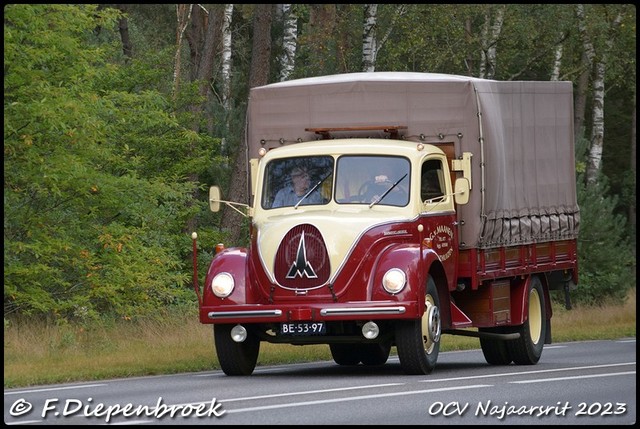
(431, 326)
(433, 323)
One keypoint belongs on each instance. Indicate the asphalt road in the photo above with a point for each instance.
(577, 383)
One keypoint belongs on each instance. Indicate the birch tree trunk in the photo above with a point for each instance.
(490, 34)
(596, 144)
(557, 61)
(369, 41)
(287, 59)
(226, 56)
(371, 44)
(226, 71)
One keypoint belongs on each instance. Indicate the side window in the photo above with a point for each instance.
(431, 180)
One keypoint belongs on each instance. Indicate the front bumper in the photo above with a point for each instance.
(252, 313)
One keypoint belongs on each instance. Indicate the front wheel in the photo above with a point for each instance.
(527, 349)
(418, 341)
(495, 351)
(235, 358)
(345, 354)
(375, 354)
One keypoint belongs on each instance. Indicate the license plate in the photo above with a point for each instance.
(303, 328)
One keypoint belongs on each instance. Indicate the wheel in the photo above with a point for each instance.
(235, 358)
(345, 354)
(495, 352)
(375, 354)
(418, 341)
(527, 349)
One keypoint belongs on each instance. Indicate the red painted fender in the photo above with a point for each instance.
(233, 261)
(520, 299)
(407, 258)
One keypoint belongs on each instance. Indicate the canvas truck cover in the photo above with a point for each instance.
(520, 131)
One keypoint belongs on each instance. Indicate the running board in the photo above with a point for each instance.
(487, 335)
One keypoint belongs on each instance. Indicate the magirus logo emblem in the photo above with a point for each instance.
(301, 266)
(302, 261)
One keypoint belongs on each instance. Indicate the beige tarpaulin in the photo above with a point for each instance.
(525, 193)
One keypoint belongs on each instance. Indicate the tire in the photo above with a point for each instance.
(495, 352)
(235, 358)
(418, 341)
(527, 349)
(374, 354)
(345, 354)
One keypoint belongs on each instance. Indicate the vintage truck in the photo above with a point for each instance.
(447, 206)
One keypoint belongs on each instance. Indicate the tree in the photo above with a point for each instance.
(226, 56)
(259, 75)
(183, 13)
(92, 216)
(490, 37)
(597, 131)
(289, 40)
(369, 41)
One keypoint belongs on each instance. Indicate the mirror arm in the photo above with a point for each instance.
(233, 205)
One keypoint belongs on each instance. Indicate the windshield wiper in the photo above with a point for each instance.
(313, 189)
(387, 191)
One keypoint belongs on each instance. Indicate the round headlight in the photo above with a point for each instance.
(222, 285)
(394, 280)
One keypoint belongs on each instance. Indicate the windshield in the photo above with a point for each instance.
(359, 179)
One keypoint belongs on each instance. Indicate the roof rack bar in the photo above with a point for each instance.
(325, 132)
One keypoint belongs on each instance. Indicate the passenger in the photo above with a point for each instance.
(376, 189)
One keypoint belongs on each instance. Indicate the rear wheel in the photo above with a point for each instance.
(418, 341)
(527, 349)
(235, 358)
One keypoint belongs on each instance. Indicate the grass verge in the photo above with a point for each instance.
(36, 353)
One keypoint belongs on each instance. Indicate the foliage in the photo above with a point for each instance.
(606, 263)
(96, 193)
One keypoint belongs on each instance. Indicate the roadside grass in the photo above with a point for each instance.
(38, 354)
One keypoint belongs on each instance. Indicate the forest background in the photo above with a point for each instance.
(117, 119)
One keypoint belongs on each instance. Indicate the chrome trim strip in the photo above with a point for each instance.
(248, 313)
(361, 310)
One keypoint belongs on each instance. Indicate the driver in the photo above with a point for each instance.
(298, 188)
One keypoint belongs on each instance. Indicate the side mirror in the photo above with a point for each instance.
(214, 199)
(461, 191)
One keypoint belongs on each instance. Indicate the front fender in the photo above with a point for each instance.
(407, 258)
(233, 261)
